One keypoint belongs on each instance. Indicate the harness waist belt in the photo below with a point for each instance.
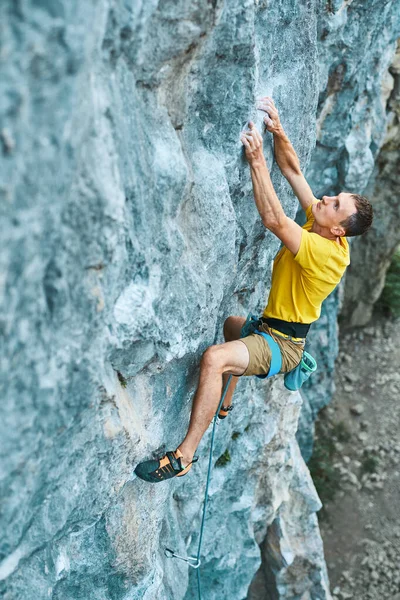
(296, 330)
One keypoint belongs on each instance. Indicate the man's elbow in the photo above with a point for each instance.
(291, 172)
(274, 223)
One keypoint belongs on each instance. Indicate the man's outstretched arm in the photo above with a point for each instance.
(285, 154)
(267, 202)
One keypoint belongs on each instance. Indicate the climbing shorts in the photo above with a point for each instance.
(260, 352)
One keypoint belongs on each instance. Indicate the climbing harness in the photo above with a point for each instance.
(294, 379)
(298, 375)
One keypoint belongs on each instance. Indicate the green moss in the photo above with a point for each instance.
(224, 459)
(122, 379)
(235, 435)
(370, 462)
(341, 432)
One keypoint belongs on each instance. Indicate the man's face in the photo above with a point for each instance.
(332, 210)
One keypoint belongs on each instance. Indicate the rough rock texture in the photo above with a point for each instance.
(286, 570)
(129, 235)
(357, 102)
(355, 51)
(364, 285)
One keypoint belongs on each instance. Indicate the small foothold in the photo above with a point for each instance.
(7, 140)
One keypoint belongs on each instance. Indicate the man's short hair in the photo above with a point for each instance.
(360, 221)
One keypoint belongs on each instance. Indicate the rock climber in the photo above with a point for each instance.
(306, 270)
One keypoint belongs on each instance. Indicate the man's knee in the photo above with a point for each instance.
(213, 358)
(232, 327)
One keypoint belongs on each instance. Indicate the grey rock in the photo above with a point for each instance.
(352, 478)
(129, 234)
(357, 409)
(349, 141)
(352, 377)
(363, 289)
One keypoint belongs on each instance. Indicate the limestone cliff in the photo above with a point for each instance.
(129, 234)
(357, 103)
(371, 255)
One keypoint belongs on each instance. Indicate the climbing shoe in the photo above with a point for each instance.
(224, 411)
(163, 468)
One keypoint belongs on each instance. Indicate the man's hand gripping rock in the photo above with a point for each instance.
(253, 145)
(271, 119)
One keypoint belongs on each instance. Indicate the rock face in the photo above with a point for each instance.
(357, 124)
(371, 255)
(129, 234)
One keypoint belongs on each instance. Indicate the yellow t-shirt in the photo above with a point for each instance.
(300, 283)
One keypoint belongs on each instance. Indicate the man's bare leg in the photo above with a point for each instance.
(231, 357)
(232, 330)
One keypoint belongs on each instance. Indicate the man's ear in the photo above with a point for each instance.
(338, 231)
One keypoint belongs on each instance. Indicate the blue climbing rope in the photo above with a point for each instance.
(250, 326)
(208, 481)
(195, 561)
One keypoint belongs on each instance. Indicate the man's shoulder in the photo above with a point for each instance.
(318, 254)
(337, 252)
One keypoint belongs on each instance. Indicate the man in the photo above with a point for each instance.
(306, 270)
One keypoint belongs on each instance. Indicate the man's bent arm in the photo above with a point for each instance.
(267, 202)
(289, 164)
(285, 155)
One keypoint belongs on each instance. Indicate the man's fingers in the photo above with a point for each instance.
(250, 140)
(267, 102)
(253, 139)
(266, 99)
(268, 108)
(264, 107)
(248, 136)
(252, 135)
(253, 128)
(258, 136)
